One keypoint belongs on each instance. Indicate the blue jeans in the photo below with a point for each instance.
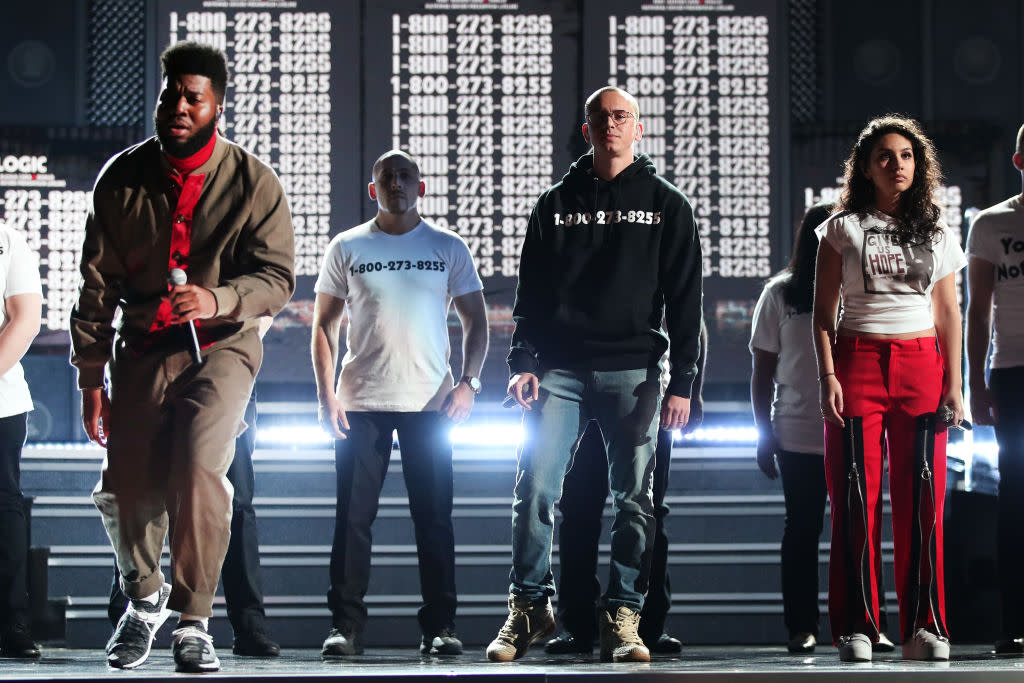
(625, 404)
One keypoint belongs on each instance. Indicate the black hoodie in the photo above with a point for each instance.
(603, 263)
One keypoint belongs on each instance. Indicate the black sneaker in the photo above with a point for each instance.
(664, 645)
(16, 643)
(255, 644)
(1010, 647)
(342, 641)
(883, 644)
(129, 646)
(193, 649)
(444, 642)
(566, 643)
(802, 643)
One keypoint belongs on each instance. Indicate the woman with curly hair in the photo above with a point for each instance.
(885, 370)
(784, 396)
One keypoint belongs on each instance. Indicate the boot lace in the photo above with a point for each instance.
(508, 630)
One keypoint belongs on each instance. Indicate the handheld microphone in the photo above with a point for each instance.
(178, 277)
(945, 415)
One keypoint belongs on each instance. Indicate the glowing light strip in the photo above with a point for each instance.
(509, 435)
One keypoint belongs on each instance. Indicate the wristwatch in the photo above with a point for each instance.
(472, 382)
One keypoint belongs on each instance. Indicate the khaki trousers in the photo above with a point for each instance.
(171, 440)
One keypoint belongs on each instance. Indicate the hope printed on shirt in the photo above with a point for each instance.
(894, 268)
(1013, 249)
(608, 217)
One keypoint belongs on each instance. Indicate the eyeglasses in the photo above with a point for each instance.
(618, 116)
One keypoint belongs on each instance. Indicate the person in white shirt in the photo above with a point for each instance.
(21, 302)
(398, 276)
(995, 313)
(885, 370)
(790, 440)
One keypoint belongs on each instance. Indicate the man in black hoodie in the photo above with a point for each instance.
(610, 252)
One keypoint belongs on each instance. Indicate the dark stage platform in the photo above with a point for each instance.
(762, 664)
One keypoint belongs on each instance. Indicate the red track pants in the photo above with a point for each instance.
(891, 390)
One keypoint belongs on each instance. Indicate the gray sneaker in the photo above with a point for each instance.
(132, 639)
(193, 649)
(620, 641)
(927, 646)
(527, 623)
(855, 647)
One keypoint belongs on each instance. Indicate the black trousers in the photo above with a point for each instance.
(1007, 386)
(805, 492)
(14, 605)
(240, 575)
(584, 494)
(361, 463)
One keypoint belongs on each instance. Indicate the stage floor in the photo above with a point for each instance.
(762, 664)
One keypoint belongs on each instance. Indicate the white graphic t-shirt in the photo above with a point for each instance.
(398, 289)
(779, 329)
(886, 286)
(19, 274)
(997, 236)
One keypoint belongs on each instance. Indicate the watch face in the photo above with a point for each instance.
(473, 382)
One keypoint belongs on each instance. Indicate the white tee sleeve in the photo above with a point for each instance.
(462, 278)
(980, 242)
(23, 273)
(832, 231)
(764, 332)
(950, 256)
(333, 278)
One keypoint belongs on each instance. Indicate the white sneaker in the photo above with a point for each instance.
(855, 647)
(926, 646)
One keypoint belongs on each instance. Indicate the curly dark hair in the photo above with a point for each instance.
(189, 57)
(798, 287)
(919, 215)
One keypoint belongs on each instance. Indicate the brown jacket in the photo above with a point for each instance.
(242, 248)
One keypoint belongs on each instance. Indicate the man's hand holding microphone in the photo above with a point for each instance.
(190, 303)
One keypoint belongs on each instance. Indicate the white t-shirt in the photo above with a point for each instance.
(19, 274)
(779, 329)
(886, 286)
(997, 236)
(398, 289)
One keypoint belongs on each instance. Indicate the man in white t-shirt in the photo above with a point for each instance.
(398, 275)
(995, 251)
(20, 316)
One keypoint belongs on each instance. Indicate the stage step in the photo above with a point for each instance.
(725, 529)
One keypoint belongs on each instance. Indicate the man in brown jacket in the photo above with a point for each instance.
(192, 201)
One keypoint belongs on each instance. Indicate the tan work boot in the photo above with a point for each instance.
(620, 641)
(526, 624)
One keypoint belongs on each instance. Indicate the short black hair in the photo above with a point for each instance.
(190, 57)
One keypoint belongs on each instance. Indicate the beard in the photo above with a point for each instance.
(182, 149)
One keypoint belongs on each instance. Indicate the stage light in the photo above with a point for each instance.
(487, 435)
(719, 435)
(501, 435)
(297, 436)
